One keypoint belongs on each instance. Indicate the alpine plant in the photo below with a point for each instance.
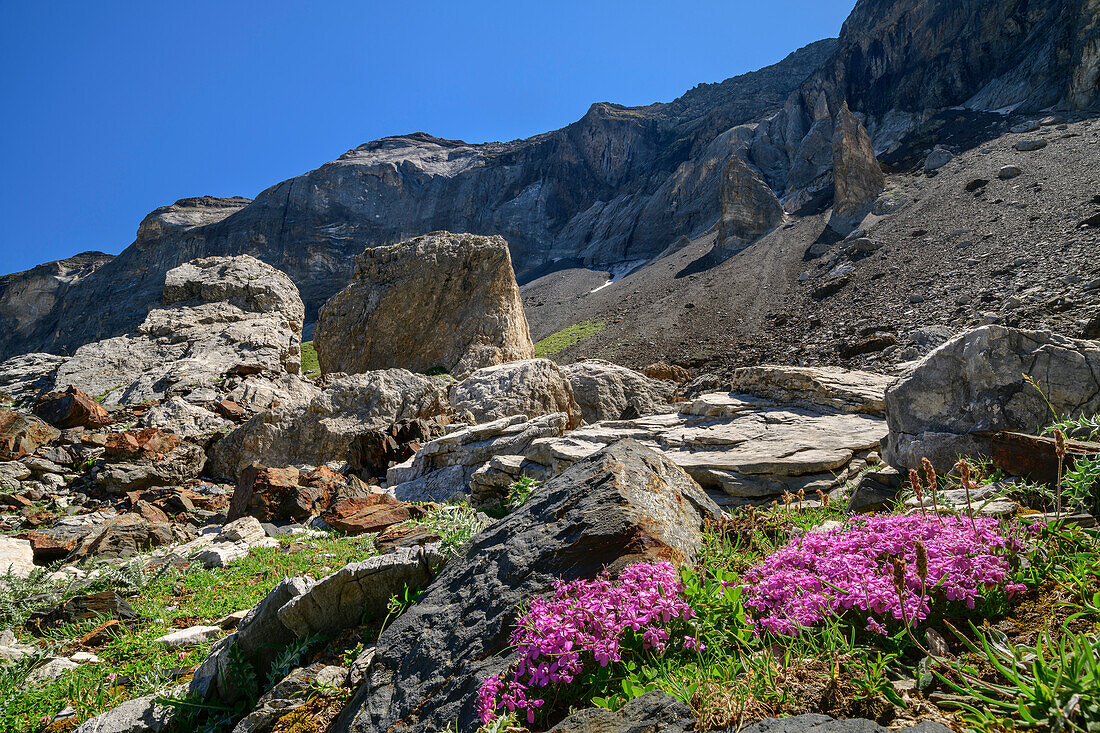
(879, 568)
(586, 623)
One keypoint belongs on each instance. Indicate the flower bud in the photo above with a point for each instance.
(1059, 443)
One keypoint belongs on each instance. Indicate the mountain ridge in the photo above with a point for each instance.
(616, 188)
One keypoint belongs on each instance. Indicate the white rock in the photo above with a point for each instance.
(16, 557)
(51, 670)
(192, 636)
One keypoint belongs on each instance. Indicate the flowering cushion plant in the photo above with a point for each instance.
(880, 567)
(587, 623)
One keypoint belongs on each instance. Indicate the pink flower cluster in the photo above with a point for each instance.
(851, 569)
(586, 619)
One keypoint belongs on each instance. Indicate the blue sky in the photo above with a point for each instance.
(114, 108)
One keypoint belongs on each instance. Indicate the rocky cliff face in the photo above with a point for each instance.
(619, 186)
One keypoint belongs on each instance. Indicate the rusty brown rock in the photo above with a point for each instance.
(282, 493)
(72, 408)
(49, 546)
(360, 515)
(151, 443)
(22, 435)
(229, 409)
(150, 512)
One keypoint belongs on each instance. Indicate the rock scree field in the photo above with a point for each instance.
(774, 408)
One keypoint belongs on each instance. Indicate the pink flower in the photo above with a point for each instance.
(583, 624)
(690, 642)
(831, 572)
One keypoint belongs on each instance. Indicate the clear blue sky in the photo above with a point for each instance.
(114, 108)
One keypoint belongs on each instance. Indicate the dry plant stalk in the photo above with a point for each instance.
(1060, 453)
(933, 484)
(964, 479)
(914, 482)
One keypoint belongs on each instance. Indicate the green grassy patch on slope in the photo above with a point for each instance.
(556, 342)
(310, 366)
(133, 664)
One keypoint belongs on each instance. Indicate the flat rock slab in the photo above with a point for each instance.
(847, 390)
(735, 442)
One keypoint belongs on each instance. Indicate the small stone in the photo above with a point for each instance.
(16, 557)
(85, 658)
(1009, 171)
(231, 621)
(1026, 146)
(937, 159)
(51, 670)
(192, 636)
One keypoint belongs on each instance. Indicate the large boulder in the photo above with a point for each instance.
(531, 387)
(606, 391)
(22, 434)
(323, 429)
(139, 459)
(973, 386)
(222, 316)
(439, 301)
(626, 504)
(72, 408)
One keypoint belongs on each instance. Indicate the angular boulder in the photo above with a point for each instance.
(531, 387)
(287, 494)
(322, 430)
(21, 434)
(606, 391)
(139, 459)
(973, 386)
(625, 504)
(72, 408)
(222, 316)
(439, 301)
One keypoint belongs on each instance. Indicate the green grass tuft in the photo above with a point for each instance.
(556, 342)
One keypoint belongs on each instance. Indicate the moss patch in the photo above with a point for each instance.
(556, 342)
